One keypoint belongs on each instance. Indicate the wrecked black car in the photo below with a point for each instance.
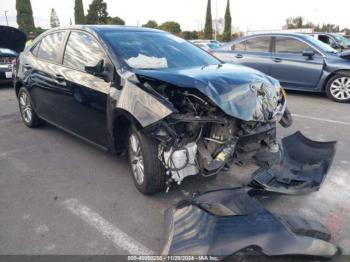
(176, 110)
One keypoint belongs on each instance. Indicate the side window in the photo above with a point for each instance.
(290, 45)
(35, 49)
(258, 44)
(82, 50)
(239, 47)
(50, 46)
(325, 39)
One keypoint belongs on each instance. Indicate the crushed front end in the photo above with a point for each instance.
(205, 135)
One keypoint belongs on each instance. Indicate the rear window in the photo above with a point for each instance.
(50, 46)
(257, 44)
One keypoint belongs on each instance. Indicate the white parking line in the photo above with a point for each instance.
(119, 238)
(322, 119)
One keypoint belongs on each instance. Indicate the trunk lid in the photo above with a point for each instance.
(12, 38)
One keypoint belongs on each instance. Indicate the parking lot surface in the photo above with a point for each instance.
(60, 195)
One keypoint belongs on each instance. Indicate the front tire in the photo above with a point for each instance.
(338, 87)
(147, 170)
(29, 117)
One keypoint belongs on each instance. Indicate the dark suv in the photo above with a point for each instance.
(175, 109)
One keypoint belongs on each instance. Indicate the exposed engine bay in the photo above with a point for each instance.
(200, 138)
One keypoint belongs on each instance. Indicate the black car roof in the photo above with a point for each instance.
(104, 28)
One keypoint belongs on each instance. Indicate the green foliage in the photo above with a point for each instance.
(171, 27)
(190, 35)
(54, 21)
(38, 30)
(97, 13)
(208, 28)
(331, 28)
(299, 22)
(25, 19)
(228, 22)
(151, 24)
(115, 21)
(295, 22)
(79, 15)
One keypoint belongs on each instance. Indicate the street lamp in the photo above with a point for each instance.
(7, 21)
(216, 19)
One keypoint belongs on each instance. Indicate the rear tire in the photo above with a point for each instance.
(147, 170)
(338, 87)
(29, 117)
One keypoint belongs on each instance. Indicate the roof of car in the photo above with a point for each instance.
(277, 33)
(103, 28)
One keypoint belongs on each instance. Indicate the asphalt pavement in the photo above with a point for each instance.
(60, 195)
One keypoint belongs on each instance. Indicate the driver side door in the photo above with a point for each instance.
(82, 107)
(291, 68)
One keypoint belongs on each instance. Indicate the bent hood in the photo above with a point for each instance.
(12, 38)
(239, 91)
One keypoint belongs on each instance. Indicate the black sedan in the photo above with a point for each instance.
(298, 61)
(173, 108)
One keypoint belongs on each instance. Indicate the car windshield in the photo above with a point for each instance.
(320, 45)
(343, 40)
(153, 50)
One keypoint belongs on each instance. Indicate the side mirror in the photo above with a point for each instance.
(96, 70)
(308, 53)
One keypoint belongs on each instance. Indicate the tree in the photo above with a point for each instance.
(208, 29)
(228, 22)
(97, 13)
(151, 24)
(190, 35)
(115, 21)
(25, 19)
(294, 22)
(327, 28)
(54, 21)
(79, 15)
(171, 26)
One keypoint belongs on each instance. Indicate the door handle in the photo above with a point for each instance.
(60, 78)
(239, 56)
(27, 66)
(277, 60)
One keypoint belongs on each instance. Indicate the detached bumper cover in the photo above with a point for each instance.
(303, 168)
(229, 221)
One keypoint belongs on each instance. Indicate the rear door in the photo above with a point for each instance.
(254, 52)
(291, 68)
(41, 68)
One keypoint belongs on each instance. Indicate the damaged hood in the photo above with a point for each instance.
(12, 38)
(239, 91)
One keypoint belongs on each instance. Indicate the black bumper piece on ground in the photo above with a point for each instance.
(303, 168)
(231, 222)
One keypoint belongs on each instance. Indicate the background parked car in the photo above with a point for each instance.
(207, 45)
(298, 61)
(11, 42)
(336, 41)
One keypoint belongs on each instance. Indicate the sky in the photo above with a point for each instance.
(246, 14)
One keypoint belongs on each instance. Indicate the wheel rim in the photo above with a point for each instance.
(26, 108)
(136, 159)
(340, 88)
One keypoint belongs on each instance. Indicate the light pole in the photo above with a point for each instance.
(7, 21)
(216, 18)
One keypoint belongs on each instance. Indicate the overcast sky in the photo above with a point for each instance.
(255, 15)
